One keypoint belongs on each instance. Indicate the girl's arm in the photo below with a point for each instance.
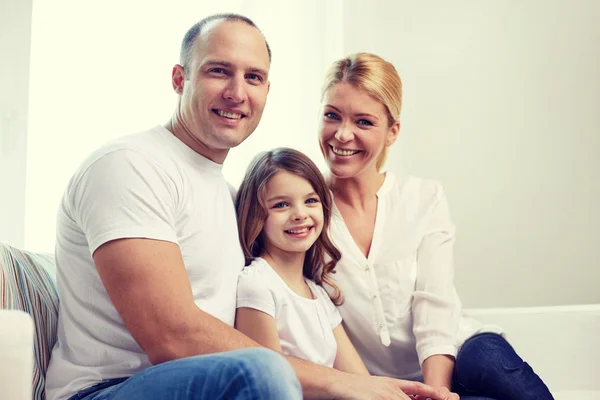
(347, 358)
(258, 326)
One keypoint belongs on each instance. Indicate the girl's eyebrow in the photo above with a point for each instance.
(280, 197)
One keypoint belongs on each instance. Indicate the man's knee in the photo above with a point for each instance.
(269, 374)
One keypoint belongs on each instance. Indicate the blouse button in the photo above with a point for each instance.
(381, 326)
(367, 268)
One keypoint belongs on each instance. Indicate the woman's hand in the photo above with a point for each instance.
(378, 387)
(447, 394)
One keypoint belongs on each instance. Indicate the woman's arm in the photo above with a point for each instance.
(347, 358)
(437, 370)
(436, 307)
(259, 326)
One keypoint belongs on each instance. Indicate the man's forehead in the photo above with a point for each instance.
(234, 42)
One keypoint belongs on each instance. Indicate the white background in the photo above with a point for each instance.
(501, 103)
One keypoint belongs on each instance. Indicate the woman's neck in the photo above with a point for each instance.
(356, 191)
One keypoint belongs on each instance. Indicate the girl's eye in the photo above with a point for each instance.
(280, 205)
(364, 122)
(312, 200)
(332, 115)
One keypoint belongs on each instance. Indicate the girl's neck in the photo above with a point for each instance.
(288, 266)
(356, 191)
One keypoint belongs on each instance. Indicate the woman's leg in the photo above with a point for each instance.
(488, 366)
(241, 375)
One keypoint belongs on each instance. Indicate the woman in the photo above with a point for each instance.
(396, 238)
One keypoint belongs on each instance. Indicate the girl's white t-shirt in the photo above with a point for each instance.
(305, 326)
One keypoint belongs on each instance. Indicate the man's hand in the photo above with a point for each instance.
(377, 387)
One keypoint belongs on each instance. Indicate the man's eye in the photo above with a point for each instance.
(217, 70)
(254, 77)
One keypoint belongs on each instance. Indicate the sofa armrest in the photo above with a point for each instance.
(16, 355)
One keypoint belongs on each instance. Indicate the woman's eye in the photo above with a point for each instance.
(331, 115)
(365, 122)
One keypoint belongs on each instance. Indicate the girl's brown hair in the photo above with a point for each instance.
(252, 212)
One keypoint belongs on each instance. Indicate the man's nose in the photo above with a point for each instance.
(235, 90)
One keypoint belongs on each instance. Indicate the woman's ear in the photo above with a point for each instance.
(392, 134)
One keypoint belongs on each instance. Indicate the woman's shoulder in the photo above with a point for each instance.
(411, 187)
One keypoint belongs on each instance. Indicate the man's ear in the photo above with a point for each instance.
(178, 79)
(392, 134)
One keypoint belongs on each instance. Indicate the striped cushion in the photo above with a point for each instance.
(28, 283)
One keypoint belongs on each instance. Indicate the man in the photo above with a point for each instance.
(148, 254)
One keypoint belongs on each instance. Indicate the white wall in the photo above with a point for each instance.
(15, 34)
(102, 72)
(501, 103)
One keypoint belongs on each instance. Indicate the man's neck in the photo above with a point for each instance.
(181, 132)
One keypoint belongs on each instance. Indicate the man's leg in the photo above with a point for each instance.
(242, 374)
(488, 366)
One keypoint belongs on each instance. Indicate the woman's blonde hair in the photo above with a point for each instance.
(374, 76)
(252, 212)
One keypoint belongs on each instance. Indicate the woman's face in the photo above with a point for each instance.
(354, 130)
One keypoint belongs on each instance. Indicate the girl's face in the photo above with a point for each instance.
(295, 214)
(353, 131)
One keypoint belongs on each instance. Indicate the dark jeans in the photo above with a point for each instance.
(241, 375)
(488, 368)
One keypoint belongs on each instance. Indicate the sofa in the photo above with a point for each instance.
(562, 343)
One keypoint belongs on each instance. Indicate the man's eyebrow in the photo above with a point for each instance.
(227, 64)
(218, 62)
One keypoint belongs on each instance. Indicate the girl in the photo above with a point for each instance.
(284, 207)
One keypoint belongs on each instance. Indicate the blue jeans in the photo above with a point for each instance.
(488, 368)
(241, 374)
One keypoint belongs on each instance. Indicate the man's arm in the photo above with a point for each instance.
(147, 282)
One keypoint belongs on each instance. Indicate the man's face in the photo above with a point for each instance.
(225, 88)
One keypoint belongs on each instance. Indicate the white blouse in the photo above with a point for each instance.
(400, 305)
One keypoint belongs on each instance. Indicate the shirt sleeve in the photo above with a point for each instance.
(253, 291)
(436, 307)
(124, 194)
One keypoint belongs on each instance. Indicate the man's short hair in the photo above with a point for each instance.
(196, 30)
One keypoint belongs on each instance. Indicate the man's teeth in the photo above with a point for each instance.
(342, 152)
(228, 114)
(297, 231)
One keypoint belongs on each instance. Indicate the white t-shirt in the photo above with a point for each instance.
(400, 302)
(146, 185)
(305, 326)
